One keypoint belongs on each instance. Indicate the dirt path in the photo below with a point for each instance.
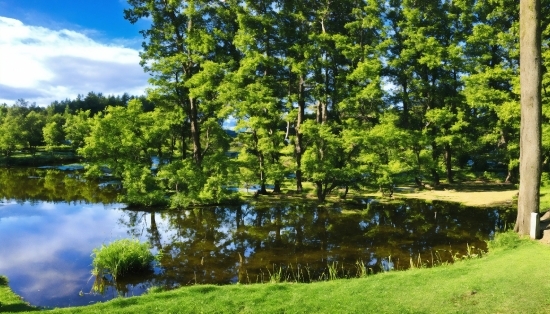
(466, 196)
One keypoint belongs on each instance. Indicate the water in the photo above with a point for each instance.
(50, 223)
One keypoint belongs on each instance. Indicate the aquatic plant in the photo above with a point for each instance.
(121, 257)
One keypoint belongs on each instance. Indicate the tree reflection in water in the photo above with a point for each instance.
(292, 241)
(299, 241)
(33, 184)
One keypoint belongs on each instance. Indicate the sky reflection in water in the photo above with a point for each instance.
(45, 246)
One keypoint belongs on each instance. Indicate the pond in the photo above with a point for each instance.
(50, 221)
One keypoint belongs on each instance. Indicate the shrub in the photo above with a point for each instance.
(122, 257)
(503, 241)
(3, 281)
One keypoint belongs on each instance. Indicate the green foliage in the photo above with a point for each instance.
(77, 128)
(121, 257)
(504, 241)
(343, 94)
(3, 281)
(141, 187)
(53, 135)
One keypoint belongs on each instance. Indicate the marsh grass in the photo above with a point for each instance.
(335, 270)
(118, 259)
(505, 241)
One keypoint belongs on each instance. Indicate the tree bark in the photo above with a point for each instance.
(448, 163)
(435, 157)
(299, 146)
(530, 128)
(195, 131)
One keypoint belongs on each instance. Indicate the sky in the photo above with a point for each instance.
(57, 49)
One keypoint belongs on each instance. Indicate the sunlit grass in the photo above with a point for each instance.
(545, 198)
(9, 301)
(508, 280)
(120, 258)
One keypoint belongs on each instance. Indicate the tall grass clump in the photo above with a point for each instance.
(504, 241)
(122, 257)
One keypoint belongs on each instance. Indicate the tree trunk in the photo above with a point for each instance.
(195, 131)
(263, 189)
(448, 163)
(299, 149)
(320, 191)
(435, 157)
(277, 187)
(530, 129)
(345, 192)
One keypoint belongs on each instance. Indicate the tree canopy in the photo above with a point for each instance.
(337, 94)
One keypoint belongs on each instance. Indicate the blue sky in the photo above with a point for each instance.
(56, 49)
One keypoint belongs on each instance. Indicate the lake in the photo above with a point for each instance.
(51, 220)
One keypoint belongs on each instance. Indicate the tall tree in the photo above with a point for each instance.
(531, 112)
(297, 22)
(188, 49)
(491, 91)
(256, 91)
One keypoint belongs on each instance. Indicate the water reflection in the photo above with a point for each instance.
(47, 238)
(248, 243)
(34, 184)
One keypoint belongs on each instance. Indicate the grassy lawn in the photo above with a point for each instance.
(504, 281)
(9, 301)
(544, 199)
(470, 194)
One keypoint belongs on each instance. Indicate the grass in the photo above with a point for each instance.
(41, 157)
(480, 197)
(507, 280)
(120, 258)
(469, 194)
(545, 198)
(9, 301)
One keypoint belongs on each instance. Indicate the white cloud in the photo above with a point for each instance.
(42, 65)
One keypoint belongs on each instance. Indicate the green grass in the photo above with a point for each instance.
(40, 158)
(119, 258)
(545, 198)
(508, 280)
(9, 301)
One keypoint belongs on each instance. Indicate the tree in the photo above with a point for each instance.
(531, 113)
(491, 88)
(188, 50)
(256, 92)
(118, 139)
(53, 135)
(77, 127)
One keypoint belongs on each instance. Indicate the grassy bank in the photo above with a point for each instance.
(39, 158)
(9, 301)
(505, 281)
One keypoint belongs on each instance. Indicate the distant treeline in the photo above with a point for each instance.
(96, 102)
(26, 126)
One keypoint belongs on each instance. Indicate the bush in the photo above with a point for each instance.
(122, 257)
(504, 241)
(3, 281)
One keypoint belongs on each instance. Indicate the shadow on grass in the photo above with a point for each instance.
(15, 308)
(478, 187)
(18, 306)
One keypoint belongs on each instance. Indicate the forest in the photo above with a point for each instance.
(341, 95)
